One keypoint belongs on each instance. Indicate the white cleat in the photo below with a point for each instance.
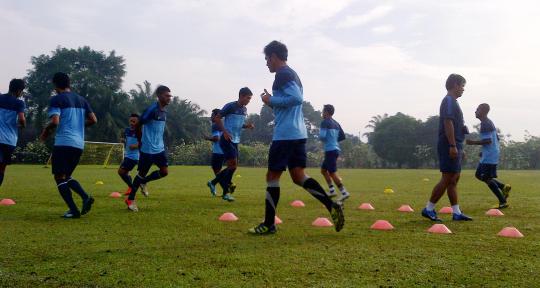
(144, 190)
(132, 206)
(332, 193)
(344, 196)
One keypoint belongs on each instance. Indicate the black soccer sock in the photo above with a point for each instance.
(77, 188)
(219, 176)
(63, 188)
(1, 178)
(127, 179)
(495, 189)
(225, 180)
(315, 189)
(500, 184)
(153, 176)
(272, 199)
(136, 183)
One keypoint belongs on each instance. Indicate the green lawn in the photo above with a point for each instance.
(176, 240)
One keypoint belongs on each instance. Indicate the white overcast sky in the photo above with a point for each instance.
(365, 57)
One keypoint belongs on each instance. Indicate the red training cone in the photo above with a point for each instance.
(439, 229)
(446, 210)
(228, 217)
(297, 203)
(322, 222)
(382, 225)
(494, 212)
(405, 208)
(7, 202)
(366, 206)
(510, 232)
(115, 195)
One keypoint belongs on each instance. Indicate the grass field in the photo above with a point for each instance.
(176, 241)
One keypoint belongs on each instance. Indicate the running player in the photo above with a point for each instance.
(131, 152)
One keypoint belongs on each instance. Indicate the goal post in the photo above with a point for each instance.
(100, 153)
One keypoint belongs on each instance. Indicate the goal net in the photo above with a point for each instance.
(100, 153)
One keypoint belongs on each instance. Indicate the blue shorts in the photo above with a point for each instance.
(447, 165)
(486, 171)
(217, 161)
(6, 151)
(128, 164)
(330, 161)
(147, 160)
(285, 154)
(230, 149)
(65, 159)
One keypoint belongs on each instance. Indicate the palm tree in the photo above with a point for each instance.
(375, 120)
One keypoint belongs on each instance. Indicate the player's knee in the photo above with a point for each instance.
(121, 171)
(163, 173)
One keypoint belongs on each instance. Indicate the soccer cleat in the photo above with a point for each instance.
(337, 216)
(212, 188)
(506, 190)
(262, 229)
(232, 187)
(501, 206)
(332, 193)
(431, 215)
(344, 196)
(144, 190)
(131, 205)
(87, 205)
(228, 197)
(460, 217)
(128, 191)
(71, 215)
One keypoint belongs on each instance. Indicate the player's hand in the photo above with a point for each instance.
(265, 97)
(227, 136)
(250, 126)
(453, 152)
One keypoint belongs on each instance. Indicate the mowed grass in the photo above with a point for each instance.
(176, 240)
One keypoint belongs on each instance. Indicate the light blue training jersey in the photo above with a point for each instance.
(329, 134)
(153, 121)
(10, 107)
(235, 115)
(490, 152)
(73, 110)
(130, 137)
(216, 149)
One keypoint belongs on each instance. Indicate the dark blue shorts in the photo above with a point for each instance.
(128, 164)
(6, 151)
(447, 165)
(330, 161)
(64, 159)
(147, 160)
(230, 149)
(486, 171)
(217, 161)
(285, 154)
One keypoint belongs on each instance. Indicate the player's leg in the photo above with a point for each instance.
(216, 164)
(6, 151)
(2, 172)
(232, 164)
(145, 163)
(60, 166)
(487, 173)
(123, 171)
(451, 191)
(74, 185)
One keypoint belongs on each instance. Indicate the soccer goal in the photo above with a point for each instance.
(100, 153)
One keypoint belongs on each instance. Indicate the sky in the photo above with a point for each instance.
(365, 57)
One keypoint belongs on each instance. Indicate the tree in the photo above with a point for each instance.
(375, 120)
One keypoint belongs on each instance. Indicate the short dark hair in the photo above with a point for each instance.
(215, 112)
(453, 80)
(329, 108)
(278, 48)
(486, 106)
(134, 115)
(16, 85)
(245, 92)
(61, 80)
(162, 89)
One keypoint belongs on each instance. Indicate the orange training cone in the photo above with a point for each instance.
(115, 195)
(297, 203)
(322, 222)
(405, 208)
(7, 202)
(228, 217)
(366, 206)
(510, 232)
(446, 210)
(494, 212)
(439, 229)
(382, 225)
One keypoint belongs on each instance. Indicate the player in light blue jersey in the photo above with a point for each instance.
(152, 149)
(69, 114)
(330, 134)
(11, 116)
(231, 121)
(288, 149)
(487, 168)
(130, 138)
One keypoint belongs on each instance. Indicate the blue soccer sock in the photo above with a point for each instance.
(315, 189)
(77, 188)
(65, 192)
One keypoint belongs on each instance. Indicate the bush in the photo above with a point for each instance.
(35, 152)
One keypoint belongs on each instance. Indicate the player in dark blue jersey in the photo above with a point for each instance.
(452, 131)
(69, 114)
(330, 133)
(11, 116)
(487, 168)
(131, 151)
(288, 149)
(152, 149)
(231, 121)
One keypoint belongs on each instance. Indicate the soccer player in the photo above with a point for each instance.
(235, 114)
(330, 134)
(131, 152)
(288, 148)
(152, 147)
(11, 115)
(69, 113)
(452, 132)
(487, 168)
